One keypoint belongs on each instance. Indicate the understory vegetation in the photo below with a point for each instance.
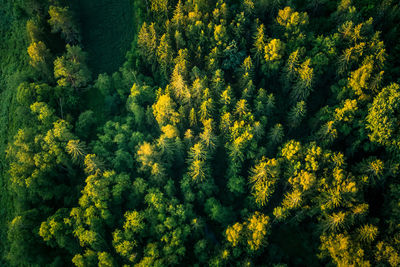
(199, 133)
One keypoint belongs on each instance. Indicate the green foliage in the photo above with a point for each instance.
(85, 125)
(107, 33)
(296, 114)
(264, 177)
(236, 133)
(71, 69)
(62, 20)
(39, 55)
(382, 119)
(14, 68)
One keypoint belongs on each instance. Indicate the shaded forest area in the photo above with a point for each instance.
(107, 32)
(199, 133)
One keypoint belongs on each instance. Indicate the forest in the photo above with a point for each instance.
(199, 133)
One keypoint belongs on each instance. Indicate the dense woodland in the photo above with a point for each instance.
(200, 133)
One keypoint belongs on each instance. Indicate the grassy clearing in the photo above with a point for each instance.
(107, 31)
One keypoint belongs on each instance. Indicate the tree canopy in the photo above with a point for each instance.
(236, 133)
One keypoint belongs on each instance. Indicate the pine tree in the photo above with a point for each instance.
(291, 20)
(263, 178)
(147, 42)
(93, 165)
(76, 149)
(164, 111)
(292, 65)
(303, 86)
(178, 20)
(164, 55)
(296, 114)
(368, 233)
(276, 134)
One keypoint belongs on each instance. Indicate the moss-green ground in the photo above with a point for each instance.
(107, 31)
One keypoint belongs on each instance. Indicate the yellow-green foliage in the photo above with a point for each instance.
(236, 133)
